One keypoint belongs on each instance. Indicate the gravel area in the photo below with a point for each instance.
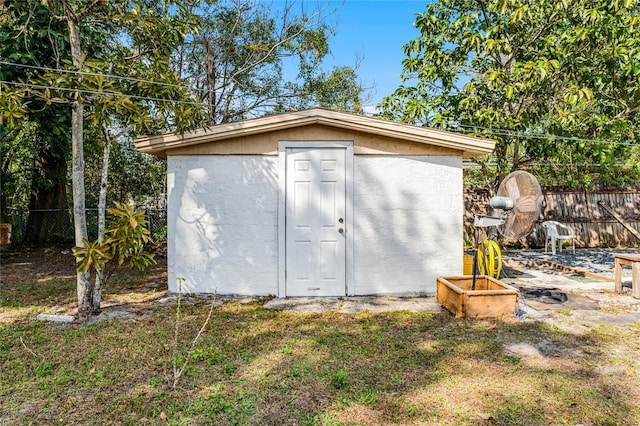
(595, 261)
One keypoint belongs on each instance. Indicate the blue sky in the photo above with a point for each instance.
(375, 30)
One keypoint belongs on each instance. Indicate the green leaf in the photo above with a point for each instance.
(509, 92)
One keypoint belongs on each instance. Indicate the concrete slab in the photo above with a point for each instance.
(352, 305)
(64, 319)
(588, 301)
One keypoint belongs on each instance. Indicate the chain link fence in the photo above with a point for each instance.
(56, 225)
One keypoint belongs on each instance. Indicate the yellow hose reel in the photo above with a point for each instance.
(489, 258)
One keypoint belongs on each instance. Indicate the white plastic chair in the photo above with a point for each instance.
(558, 232)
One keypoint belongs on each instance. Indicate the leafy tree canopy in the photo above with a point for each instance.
(237, 58)
(125, 72)
(519, 71)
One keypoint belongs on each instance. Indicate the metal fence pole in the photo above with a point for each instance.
(20, 233)
(147, 211)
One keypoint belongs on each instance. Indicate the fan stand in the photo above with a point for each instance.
(481, 221)
(475, 260)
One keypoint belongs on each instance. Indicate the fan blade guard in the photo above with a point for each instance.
(523, 188)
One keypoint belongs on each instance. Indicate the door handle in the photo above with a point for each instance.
(340, 230)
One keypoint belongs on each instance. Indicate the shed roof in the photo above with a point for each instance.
(467, 146)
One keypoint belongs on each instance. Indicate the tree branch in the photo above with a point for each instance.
(533, 40)
(312, 20)
(53, 14)
(621, 114)
(87, 10)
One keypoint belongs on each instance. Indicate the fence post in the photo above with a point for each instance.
(147, 211)
(20, 233)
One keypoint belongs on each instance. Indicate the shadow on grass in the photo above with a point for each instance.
(45, 277)
(265, 367)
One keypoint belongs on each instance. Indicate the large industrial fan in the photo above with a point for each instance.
(516, 207)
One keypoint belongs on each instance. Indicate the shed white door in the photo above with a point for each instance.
(315, 203)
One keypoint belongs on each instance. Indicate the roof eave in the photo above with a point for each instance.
(470, 146)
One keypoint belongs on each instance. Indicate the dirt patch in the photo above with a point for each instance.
(43, 280)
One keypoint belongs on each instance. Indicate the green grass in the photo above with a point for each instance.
(258, 366)
(255, 366)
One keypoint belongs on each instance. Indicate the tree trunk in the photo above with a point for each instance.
(102, 198)
(84, 287)
(102, 208)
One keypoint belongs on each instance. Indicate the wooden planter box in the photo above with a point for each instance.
(490, 299)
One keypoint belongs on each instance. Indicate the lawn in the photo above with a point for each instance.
(258, 366)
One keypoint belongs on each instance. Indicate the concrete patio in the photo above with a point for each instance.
(574, 294)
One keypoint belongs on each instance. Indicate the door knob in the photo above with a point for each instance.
(340, 230)
(341, 220)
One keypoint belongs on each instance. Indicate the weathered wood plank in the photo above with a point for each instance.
(619, 218)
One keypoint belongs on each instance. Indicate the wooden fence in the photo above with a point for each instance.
(585, 211)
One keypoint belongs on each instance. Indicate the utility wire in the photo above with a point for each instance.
(112, 76)
(506, 132)
(545, 164)
(67, 89)
(495, 131)
(503, 132)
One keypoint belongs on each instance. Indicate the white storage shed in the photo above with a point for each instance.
(314, 203)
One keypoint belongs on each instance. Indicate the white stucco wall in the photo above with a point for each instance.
(407, 223)
(222, 224)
